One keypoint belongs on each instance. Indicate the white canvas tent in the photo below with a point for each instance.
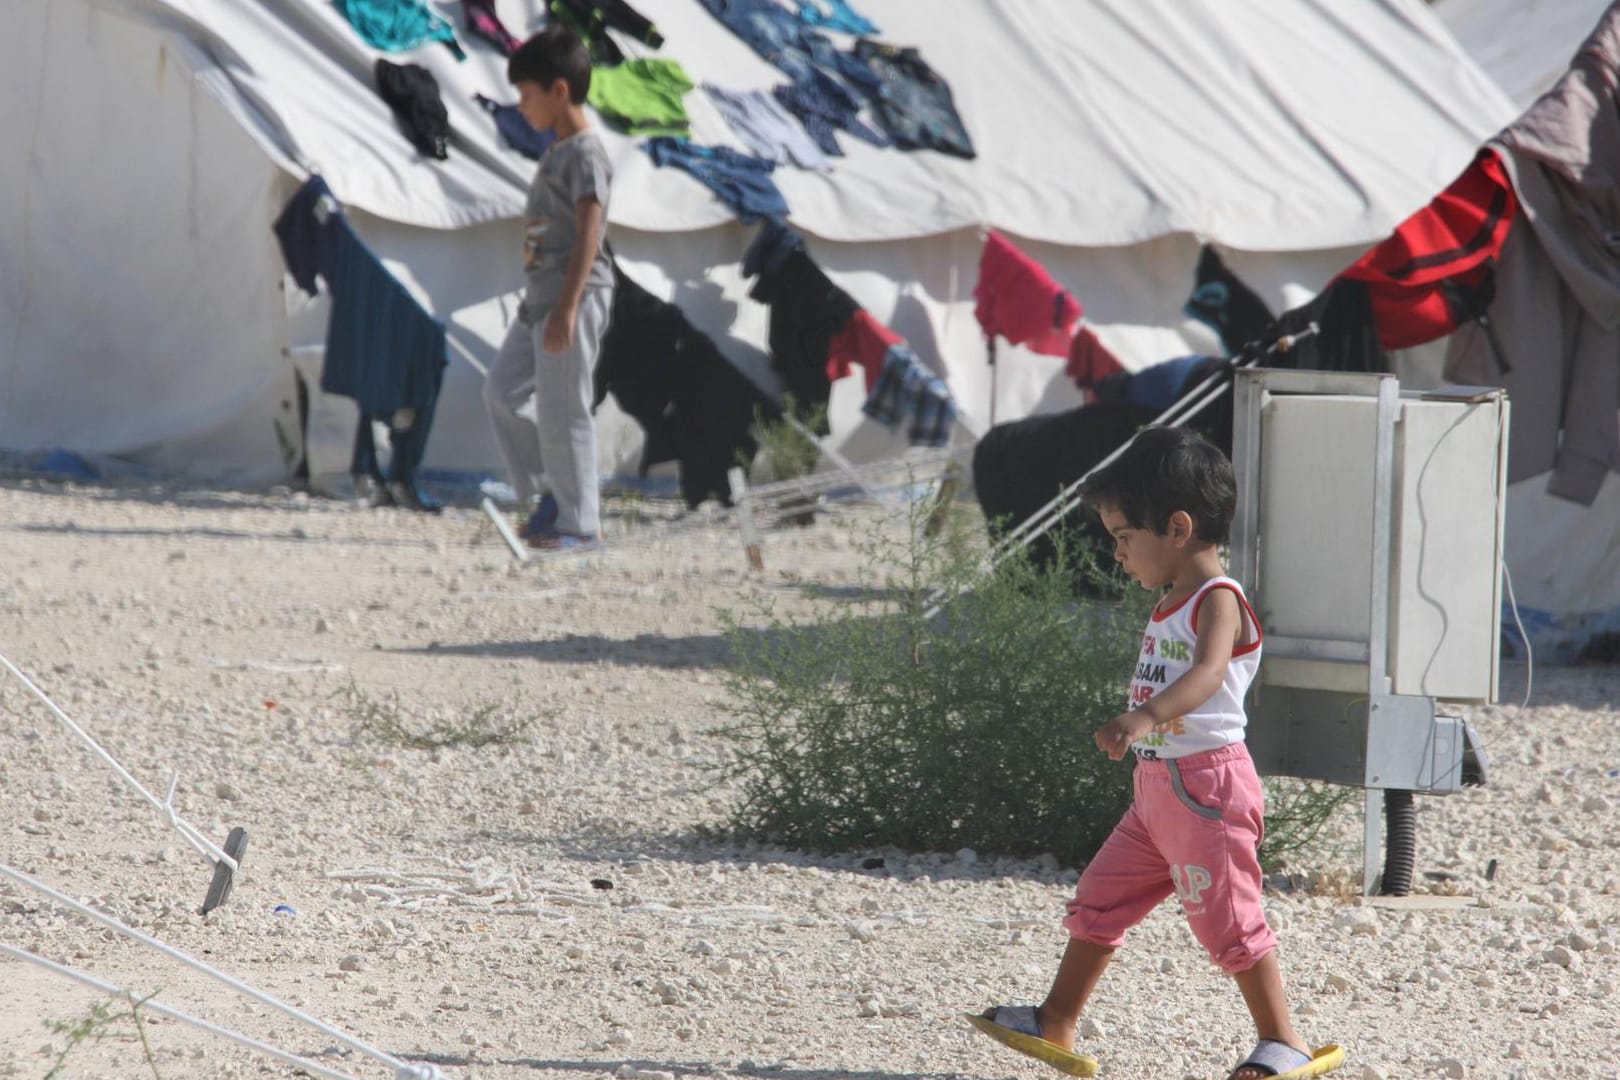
(1523, 45)
(142, 304)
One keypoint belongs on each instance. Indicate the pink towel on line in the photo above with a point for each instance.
(1018, 300)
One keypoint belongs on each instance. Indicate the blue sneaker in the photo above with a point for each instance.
(544, 518)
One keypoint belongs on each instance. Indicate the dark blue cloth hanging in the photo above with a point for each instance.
(382, 348)
(913, 104)
(741, 181)
(519, 134)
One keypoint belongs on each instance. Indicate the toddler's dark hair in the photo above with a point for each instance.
(1164, 470)
(554, 53)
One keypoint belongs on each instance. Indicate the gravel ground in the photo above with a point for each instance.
(440, 905)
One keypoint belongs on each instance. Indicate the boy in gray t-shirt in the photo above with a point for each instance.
(552, 346)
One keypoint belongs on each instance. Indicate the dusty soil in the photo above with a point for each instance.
(437, 904)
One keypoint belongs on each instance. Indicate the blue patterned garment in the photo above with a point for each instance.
(912, 102)
(741, 181)
(908, 391)
(824, 110)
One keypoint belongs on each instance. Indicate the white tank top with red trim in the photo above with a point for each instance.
(1167, 654)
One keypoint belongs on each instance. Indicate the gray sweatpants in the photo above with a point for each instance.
(561, 455)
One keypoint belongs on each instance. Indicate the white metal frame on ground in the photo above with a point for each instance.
(204, 847)
(403, 1070)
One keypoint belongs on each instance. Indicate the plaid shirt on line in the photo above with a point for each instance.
(908, 391)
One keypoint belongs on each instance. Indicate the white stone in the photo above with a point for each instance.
(1452, 1067)
(352, 962)
(1560, 955)
(1092, 1029)
(1358, 921)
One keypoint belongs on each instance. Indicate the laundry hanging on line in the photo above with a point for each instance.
(483, 22)
(1158, 386)
(766, 128)
(604, 51)
(411, 91)
(1437, 270)
(1020, 465)
(741, 181)
(807, 311)
(694, 406)
(642, 97)
(863, 342)
(781, 38)
(598, 16)
(825, 108)
(1221, 301)
(519, 134)
(1090, 361)
(913, 104)
(383, 349)
(1555, 314)
(834, 15)
(908, 393)
(1016, 299)
(398, 25)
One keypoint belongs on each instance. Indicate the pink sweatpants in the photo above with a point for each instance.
(1194, 830)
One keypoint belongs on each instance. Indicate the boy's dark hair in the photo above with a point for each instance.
(554, 53)
(1164, 470)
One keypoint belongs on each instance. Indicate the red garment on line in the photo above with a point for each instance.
(1090, 362)
(1450, 240)
(1018, 300)
(863, 341)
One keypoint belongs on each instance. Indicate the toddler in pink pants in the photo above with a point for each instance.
(1194, 827)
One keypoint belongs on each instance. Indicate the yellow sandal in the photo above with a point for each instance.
(1019, 1027)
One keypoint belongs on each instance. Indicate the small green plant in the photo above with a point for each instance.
(103, 1020)
(385, 722)
(786, 449)
(1297, 813)
(870, 724)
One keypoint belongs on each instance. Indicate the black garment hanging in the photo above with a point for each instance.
(695, 407)
(1348, 336)
(598, 15)
(1019, 466)
(1223, 302)
(484, 23)
(413, 93)
(807, 312)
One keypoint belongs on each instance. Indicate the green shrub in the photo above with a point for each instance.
(869, 725)
(866, 725)
(1298, 813)
(787, 451)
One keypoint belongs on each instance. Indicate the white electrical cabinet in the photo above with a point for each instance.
(1321, 515)
(1369, 537)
